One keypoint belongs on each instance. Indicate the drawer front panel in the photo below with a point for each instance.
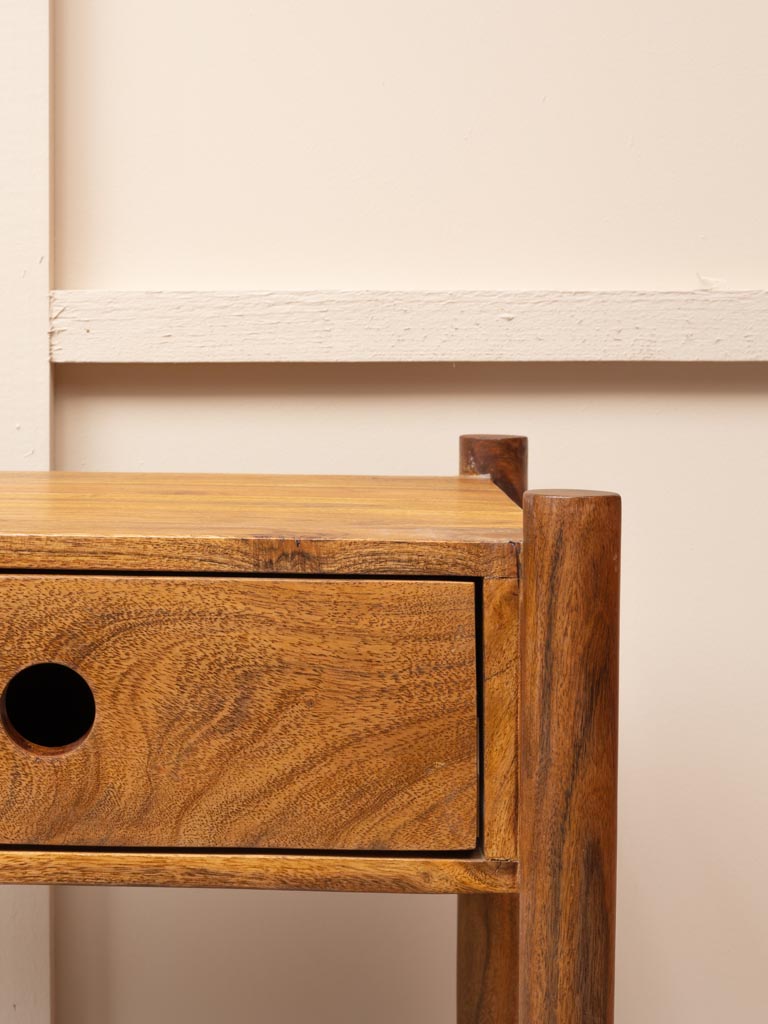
(239, 713)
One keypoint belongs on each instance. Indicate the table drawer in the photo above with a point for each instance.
(238, 713)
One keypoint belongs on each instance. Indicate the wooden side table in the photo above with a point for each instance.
(341, 683)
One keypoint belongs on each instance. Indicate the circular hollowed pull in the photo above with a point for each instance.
(47, 708)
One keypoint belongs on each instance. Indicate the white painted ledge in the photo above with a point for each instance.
(371, 326)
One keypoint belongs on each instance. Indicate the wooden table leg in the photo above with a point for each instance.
(549, 958)
(487, 990)
(487, 965)
(568, 756)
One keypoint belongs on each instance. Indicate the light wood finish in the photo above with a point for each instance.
(259, 713)
(487, 976)
(408, 326)
(306, 871)
(252, 727)
(426, 526)
(501, 693)
(569, 756)
(502, 457)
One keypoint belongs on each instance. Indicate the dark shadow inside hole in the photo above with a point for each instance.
(48, 705)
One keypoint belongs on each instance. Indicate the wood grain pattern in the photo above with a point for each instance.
(306, 871)
(258, 713)
(488, 926)
(487, 975)
(269, 524)
(569, 756)
(398, 326)
(501, 456)
(501, 694)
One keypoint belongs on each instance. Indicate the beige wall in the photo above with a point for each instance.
(688, 449)
(418, 145)
(410, 144)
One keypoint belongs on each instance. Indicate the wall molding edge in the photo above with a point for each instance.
(407, 326)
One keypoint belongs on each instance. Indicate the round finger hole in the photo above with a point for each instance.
(48, 708)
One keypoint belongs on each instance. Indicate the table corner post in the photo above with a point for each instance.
(488, 923)
(503, 457)
(568, 755)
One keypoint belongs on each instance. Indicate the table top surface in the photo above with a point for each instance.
(54, 512)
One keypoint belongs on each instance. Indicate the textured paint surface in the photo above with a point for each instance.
(25, 379)
(202, 327)
(24, 236)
